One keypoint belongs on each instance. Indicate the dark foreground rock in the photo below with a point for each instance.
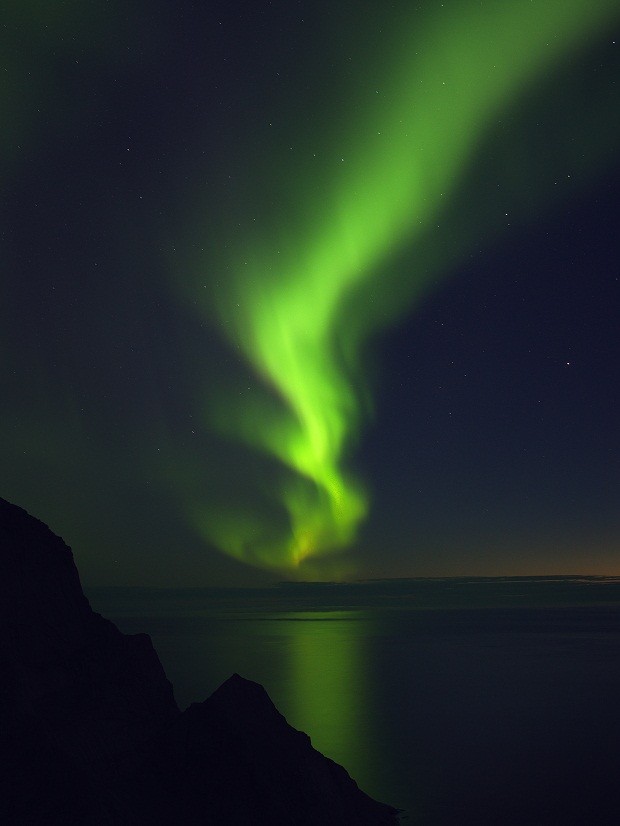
(90, 732)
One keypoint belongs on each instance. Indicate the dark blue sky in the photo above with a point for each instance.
(494, 446)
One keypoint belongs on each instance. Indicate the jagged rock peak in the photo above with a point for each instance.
(91, 734)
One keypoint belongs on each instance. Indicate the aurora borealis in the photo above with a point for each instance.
(290, 313)
(228, 228)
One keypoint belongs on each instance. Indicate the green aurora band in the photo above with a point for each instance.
(304, 297)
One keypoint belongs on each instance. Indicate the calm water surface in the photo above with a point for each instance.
(475, 712)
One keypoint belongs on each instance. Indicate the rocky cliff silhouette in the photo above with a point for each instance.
(90, 732)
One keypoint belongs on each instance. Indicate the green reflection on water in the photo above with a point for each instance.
(326, 689)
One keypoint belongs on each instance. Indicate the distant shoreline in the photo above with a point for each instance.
(414, 593)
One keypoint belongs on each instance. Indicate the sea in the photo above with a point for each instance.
(460, 701)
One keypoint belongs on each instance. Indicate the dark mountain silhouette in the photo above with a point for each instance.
(90, 732)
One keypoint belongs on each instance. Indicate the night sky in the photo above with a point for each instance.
(312, 289)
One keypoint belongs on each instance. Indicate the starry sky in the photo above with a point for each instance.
(310, 289)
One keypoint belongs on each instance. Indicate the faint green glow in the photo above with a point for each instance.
(286, 302)
(326, 693)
